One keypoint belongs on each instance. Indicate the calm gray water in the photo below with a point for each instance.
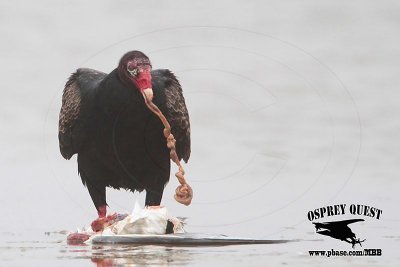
(294, 106)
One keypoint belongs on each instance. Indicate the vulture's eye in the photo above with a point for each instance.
(132, 70)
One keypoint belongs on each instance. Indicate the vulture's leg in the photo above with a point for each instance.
(98, 195)
(154, 196)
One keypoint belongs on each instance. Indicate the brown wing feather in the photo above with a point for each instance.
(177, 115)
(75, 112)
(71, 103)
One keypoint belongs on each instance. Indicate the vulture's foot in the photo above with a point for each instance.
(100, 223)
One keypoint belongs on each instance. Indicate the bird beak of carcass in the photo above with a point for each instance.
(143, 81)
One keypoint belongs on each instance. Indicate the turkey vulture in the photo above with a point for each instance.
(106, 120)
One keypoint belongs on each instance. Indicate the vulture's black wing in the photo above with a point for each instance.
(77, 110)
(176, 111)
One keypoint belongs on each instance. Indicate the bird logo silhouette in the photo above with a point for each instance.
(339, 230)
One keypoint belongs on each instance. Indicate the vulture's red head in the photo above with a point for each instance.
(135, 68)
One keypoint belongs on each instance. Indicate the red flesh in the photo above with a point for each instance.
(77, 238)
(99, 224)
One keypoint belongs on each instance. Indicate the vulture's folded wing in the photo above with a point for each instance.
(177, 113)
(77, 110)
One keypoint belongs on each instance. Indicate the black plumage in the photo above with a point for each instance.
(119, 141)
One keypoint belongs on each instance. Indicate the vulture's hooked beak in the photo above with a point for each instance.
(143, 81)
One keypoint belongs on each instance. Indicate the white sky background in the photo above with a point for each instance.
(295, 154)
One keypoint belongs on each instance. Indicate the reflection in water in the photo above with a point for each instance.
(52, 249)
(129, 255)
